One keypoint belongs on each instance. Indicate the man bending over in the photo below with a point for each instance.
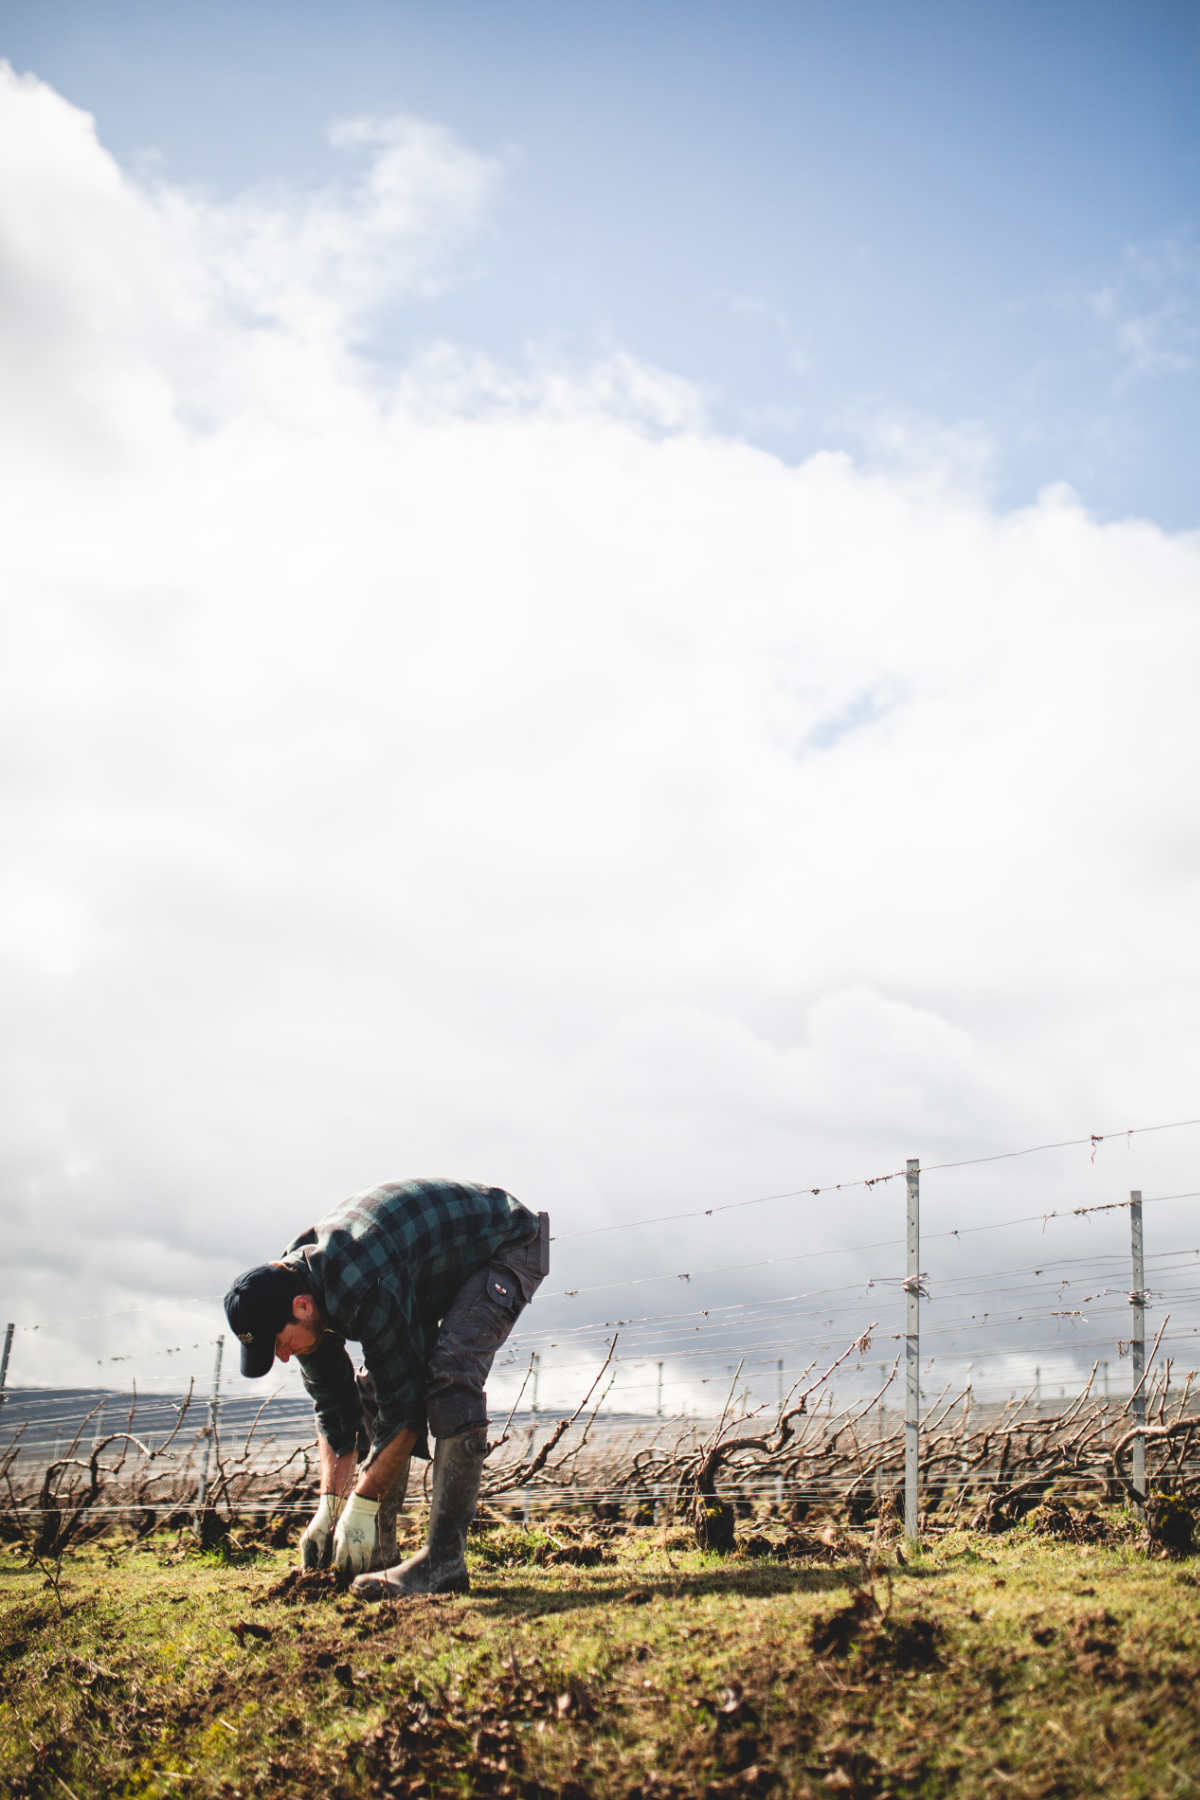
(429, 1277)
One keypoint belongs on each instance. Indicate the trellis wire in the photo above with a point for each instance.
(912, 1284)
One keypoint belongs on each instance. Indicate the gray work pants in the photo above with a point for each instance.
(481, 1315)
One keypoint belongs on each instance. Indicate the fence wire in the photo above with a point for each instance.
(1037, 1366)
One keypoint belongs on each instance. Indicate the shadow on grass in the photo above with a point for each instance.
(502, 1595)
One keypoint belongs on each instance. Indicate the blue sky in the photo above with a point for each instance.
(902, 231)
(599, 599)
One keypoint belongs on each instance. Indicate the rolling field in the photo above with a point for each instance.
(603, 1662)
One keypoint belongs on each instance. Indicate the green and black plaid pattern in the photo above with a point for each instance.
(384, 1268)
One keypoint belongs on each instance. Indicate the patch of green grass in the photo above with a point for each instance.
(981, 1666)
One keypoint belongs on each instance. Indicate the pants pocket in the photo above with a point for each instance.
(528, 1263)
(504, 1290)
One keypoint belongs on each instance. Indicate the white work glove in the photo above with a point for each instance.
(314, 1544)
(354, 1535)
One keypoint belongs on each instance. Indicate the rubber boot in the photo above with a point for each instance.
(441, 1567)
(386, 1547)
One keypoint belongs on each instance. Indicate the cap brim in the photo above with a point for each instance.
(257, 1357)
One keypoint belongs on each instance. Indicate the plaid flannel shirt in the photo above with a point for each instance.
(384, 1267)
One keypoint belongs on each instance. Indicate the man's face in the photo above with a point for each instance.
(299, 1337)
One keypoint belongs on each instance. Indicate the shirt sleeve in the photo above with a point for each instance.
(328, 1374)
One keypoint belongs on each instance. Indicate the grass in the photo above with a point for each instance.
(983, 1666)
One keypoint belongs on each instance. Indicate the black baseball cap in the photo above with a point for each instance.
(258, 1306)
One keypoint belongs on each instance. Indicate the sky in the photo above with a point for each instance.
(604, 602)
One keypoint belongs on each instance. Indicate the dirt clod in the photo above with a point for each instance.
(1066, 1525)
(299, 1586)
(909, 1641)
(1095, 1642)
(835, 1633)
(249, 1628)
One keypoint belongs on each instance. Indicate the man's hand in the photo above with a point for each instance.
(314, 1544)
(354, 1536)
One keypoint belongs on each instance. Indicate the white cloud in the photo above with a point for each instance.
(1152, 308)
(499, 772)
(961, 457)
(318, 261)
(445, 381)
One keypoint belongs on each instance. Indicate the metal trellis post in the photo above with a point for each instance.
(658, 1408)
(214, 1403)
(1137, 1300)
(912, 1353)
(8, 1338)
(881, 1430)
